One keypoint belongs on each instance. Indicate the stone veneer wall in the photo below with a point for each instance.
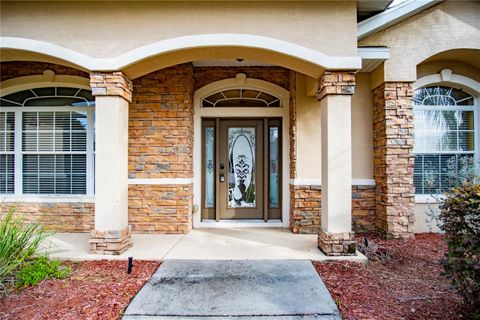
(306, 206)
(161, 146)
(14, 69)
(393, 159)
(305, 209)
(277, 75)
(293, 124)
(160, 208)
(57, 216)
(363, 208)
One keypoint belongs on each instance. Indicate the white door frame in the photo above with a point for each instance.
(283, 112)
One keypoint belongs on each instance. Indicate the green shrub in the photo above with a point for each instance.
(41, 268)
(19, 243)
(460, 217)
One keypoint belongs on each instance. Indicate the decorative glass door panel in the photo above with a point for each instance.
(241, 168)
(209, 167)
(273, 167)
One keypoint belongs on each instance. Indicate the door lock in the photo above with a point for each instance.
(222, 178)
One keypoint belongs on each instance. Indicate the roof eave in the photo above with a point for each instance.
(392, 16)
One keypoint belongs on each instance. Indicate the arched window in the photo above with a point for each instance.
(51, 96)
(46, 141)
(241, 98)
(445, 127)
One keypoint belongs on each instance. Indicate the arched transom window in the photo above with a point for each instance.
(46, 142)
(50, 96)
(445, 126)
(241, 97)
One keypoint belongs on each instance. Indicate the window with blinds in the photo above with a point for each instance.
(46, 142)
(7, 152)
(54, 146)
(444, 121)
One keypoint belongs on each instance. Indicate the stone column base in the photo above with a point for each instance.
(337, 244)
(113, 242)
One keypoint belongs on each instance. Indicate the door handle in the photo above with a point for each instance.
(222, 178)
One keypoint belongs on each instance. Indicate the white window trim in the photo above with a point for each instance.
(447, 78)
(50, 198)
(18, 195)
(427, 198)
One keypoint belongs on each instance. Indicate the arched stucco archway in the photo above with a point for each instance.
(173, 51)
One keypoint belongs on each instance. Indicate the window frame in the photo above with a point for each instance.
(241, 89)
(3, 149)
(425, 197)
(18, 194)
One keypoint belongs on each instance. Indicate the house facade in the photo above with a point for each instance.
(325, 117)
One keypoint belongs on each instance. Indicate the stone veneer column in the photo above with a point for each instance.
(393, 159)
(113, 92)
(335, 89)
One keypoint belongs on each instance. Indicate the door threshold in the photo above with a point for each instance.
(245, 223)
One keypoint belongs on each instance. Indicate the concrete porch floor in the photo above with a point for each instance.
(202, 244)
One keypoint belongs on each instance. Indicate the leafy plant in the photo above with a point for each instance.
(41, 268)
(19, 242)
(374, 252)
(455, 174)
(460, 217)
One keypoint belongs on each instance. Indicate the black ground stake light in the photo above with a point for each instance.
(130, 265)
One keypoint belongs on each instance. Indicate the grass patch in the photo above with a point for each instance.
(39, 269)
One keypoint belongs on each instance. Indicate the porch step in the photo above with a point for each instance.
(234, 289)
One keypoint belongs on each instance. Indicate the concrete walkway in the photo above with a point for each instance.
(220, 289)
(209, 244)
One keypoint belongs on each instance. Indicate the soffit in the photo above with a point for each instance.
(369, 8)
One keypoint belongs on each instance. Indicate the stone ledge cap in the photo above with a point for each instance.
(111, 84)
(337, 83)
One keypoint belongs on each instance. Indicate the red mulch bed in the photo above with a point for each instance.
(410, 286)
(95, 290)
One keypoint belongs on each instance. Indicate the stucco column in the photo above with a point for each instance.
(113, 92)
(393, 159)
(335, 89)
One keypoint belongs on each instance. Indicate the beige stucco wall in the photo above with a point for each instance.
(309, 147)
(309, 131)
(362, 128)
(459, 68)
(446, 26)
(108, 29)
(421, 224)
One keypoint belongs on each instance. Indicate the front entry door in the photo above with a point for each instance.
(241, 176)
(241, 161)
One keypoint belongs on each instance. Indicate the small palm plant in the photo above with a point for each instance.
(19, 244)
